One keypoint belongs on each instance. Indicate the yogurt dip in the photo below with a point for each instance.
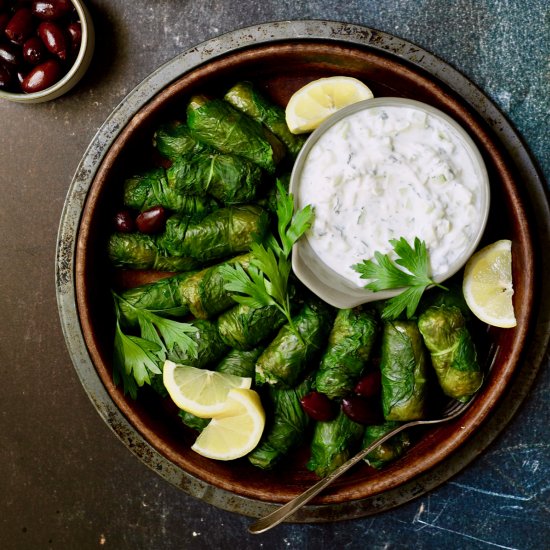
(387, 172)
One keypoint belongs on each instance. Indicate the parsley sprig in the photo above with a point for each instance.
(137, 358)
(265, 281)
(385, 275)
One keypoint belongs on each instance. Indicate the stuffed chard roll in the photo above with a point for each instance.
(388, 451)
(287, 358)
(244, 327)
(141, 251)
(240, 362)
(173, 139)
(404, 372)
(245, 97)
(222, 233)
(223, 127)
(349, 345)
(201, 293)
(452, 350)
(205, 292)
(210, 348)
(333, 443)
(152, 188)
(227, 178)
(287, 429)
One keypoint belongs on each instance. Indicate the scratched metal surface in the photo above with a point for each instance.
(65, 481)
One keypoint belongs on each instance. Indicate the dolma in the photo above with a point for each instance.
(222, 233)
(333, 443)
(240, 362)
(163, 297)
(244, 327)
(201, 293)
(390, 450)
(210, 348)
(193, 421)
(403, 366)
(152, 188)
(223, 127)
(227, 178)
(205, 292)
(452, 351)
(272, 197)
(173, 139)
(287, 429)
(349, 345)
(245, 97)
(141, 251)
(287, 358)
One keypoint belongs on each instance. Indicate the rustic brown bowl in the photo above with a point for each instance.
(279, 69)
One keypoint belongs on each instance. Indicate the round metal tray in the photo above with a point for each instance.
(534, 195)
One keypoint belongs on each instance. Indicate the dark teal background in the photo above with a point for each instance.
(65, 480)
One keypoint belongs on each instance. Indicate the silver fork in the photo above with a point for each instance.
(452, 410)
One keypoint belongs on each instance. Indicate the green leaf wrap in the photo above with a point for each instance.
(218, 124)
(162, 297)
(452, 350)
(287, 426)
(200, 292)
(245, 327)
(287, 358)
(152, 188)
(272, 197)
(140, 251)
(349, 345)
(333, 443)
(192, 421)
(222, 233)
(173, 139)
(240, 362)
(228, 178)
(388, 451)
(404, 372)
(210, 348)
(245, 97)
(204, 291)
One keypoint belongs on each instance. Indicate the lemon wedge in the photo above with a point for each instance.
(199, 391)
(488, 285)
(316, 101)
(235, 430)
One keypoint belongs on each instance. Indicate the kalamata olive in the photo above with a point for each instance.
(54, 39)
(42, 76)
(124, 221)
(318, 406)
(52, 9)
(20, 26)
(6, 76)
(369, 385)
(10, 53)
(34, 50)
(152, 220)
(361, 410)
(75, 32)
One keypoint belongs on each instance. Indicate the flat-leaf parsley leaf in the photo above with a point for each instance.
(384, 274)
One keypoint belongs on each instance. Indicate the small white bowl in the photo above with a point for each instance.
(312, 270)
(74, 74)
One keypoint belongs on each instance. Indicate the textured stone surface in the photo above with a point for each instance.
(66, 481)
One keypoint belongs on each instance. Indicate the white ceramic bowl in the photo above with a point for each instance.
(74, 74)
(312, 270)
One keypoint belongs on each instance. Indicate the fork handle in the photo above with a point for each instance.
(280, 514)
